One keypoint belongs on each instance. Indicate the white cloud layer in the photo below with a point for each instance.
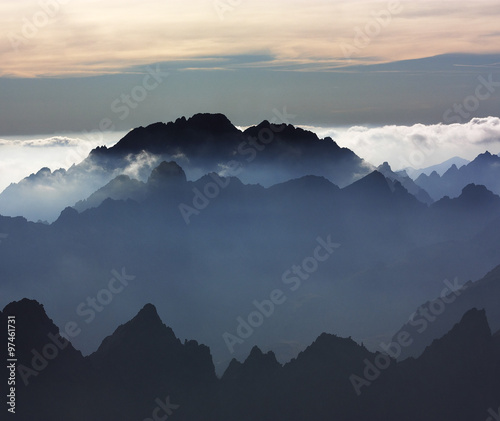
(22, 156)
(415, 146)
(419, 145)
(57, 141)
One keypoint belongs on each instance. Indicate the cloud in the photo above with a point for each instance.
(21, 156)
(140, 166)
(55, 141)
(74, 40)
(419, 145)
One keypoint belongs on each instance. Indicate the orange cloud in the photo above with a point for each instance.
(76, 37)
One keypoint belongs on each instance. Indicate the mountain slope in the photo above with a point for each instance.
(204, 143)
(215, 245)
(483, 170)
(447, 309)
(143, 371)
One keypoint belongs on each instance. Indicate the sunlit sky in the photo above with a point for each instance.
(82, 37)
(70, 67)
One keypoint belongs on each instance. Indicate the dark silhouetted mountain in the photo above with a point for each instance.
(143, 371)
(152, 363)
(134, 371)
(380, 194)
(447, 309)
(476, 203)
(216, 244)
(266, 154)
(483, 170)
(460, 370)
(194, 137)
(496, 339)
(49, 369)
(167, 172)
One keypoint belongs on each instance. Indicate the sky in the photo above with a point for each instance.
(395, 74)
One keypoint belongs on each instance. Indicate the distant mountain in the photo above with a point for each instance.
(120, 188)
(215, 245)
(143, 371)
(440, 169)
(403, 178)
(484, 170)
(436, 317)
(475, 202)
(266, 154)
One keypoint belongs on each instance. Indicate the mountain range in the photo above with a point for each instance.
(143, 370)
(267, 154)
(484, 170)
(295, 262)
(216, 245)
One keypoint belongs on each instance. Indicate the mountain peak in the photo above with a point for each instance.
(147, 324)
(485, 157)
(452, 170)
(26, 306)
(385, 167)
(217, 123)
(149, 314)
(167, 171)
(475, 195)
(256, 365)
(373, 182)
(34, 327)
(473, 328)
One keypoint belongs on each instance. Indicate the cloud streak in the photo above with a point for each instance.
(20, 157)
(54, 141)
(125, 34)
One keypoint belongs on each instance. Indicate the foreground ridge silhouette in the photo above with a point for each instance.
(143, 366)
